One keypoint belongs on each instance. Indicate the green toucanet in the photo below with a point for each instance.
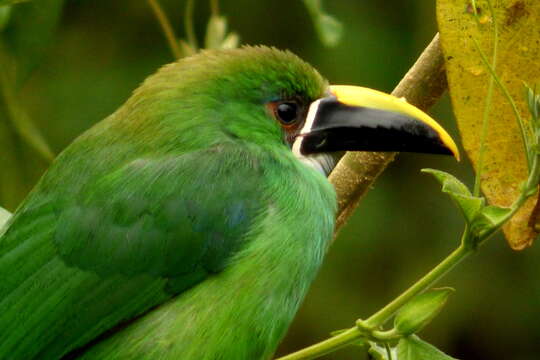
(204, 199)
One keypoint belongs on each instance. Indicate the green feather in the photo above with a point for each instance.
(243, 312)
(187, 196)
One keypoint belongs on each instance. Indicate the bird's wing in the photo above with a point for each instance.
(127, 241)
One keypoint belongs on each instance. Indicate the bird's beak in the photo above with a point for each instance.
(354, 118)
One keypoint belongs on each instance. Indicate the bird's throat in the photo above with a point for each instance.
(323, 162)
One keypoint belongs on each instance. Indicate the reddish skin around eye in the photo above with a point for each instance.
(272, 109)
(292, 129)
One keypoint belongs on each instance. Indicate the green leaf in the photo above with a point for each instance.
(329, 29)
(4, 217)
(490, 217)
(469, 205)
(419, 312)
(450, 183)
(413, 348)
(495, 214)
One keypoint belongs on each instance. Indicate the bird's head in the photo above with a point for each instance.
(271, 98)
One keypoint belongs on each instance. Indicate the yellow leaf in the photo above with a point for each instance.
(518, 61)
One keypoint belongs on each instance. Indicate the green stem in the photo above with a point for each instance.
(354, 334)
(188, 23)
(509, 98)
(487, 106)
(388, 351)
(475, 11)
(167, 28)
(327, 346)
(514, 208)
(385, 336)
(380, 317)
(534, 177)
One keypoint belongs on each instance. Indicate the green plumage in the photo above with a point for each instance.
(188, 196)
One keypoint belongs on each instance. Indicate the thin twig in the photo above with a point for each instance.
(167, 28)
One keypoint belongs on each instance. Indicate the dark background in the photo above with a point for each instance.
(102, 50)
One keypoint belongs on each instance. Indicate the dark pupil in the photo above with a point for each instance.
(287, 112)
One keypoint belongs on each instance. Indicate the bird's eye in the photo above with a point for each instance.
(287, 112)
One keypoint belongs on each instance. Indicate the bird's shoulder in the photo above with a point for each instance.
(167, 216)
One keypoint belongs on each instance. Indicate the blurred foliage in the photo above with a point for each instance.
(330, 30)
(101, 51)
(27, 32)
(217, 36)
(10, 2)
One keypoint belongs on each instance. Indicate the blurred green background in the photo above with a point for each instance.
(71, 74)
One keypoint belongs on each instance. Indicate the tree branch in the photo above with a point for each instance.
(422, 86)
